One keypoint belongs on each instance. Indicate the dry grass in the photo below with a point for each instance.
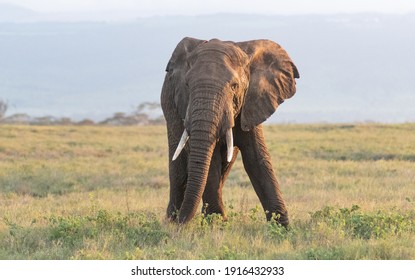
(101, 192)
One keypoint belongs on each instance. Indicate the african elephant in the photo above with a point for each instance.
(214, 98)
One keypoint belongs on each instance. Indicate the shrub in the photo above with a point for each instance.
(365, 225)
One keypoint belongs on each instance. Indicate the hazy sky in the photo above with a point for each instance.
(193, 7)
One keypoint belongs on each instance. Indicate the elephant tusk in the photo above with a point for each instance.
(181, 145)
(229, 144)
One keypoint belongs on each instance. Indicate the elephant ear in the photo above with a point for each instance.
(272, 80)
(177, 68)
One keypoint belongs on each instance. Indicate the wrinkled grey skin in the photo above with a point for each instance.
(211, 86)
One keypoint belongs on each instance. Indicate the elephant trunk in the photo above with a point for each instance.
(204, 121)
(198, 169)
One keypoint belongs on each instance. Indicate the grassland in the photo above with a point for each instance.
(101, 192)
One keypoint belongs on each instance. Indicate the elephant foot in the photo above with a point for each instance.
(172, 213)
(281, 219)
(223, 217)
(209, 209)
(284, 222)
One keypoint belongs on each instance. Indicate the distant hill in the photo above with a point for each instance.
(15, 13)
(353, 67)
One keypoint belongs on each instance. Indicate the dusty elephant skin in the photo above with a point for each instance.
(215, 96)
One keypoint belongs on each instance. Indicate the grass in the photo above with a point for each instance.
(101, 192)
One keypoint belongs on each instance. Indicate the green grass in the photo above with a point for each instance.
(101, 193)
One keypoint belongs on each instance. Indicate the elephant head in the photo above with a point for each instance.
(215, 91)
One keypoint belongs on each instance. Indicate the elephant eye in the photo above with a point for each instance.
(234, 86)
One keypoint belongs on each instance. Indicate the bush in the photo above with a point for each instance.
(140, 229)
(365, 225)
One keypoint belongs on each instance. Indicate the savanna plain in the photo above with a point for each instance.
(99, 192)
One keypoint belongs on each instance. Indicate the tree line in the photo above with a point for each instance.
(147, 113)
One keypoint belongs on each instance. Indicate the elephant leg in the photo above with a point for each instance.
(178, 179)
(227, 166)
(177, 172)
(257, 163)
(212, 196)
(218, 172)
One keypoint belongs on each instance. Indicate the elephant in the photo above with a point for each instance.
(215, 96)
